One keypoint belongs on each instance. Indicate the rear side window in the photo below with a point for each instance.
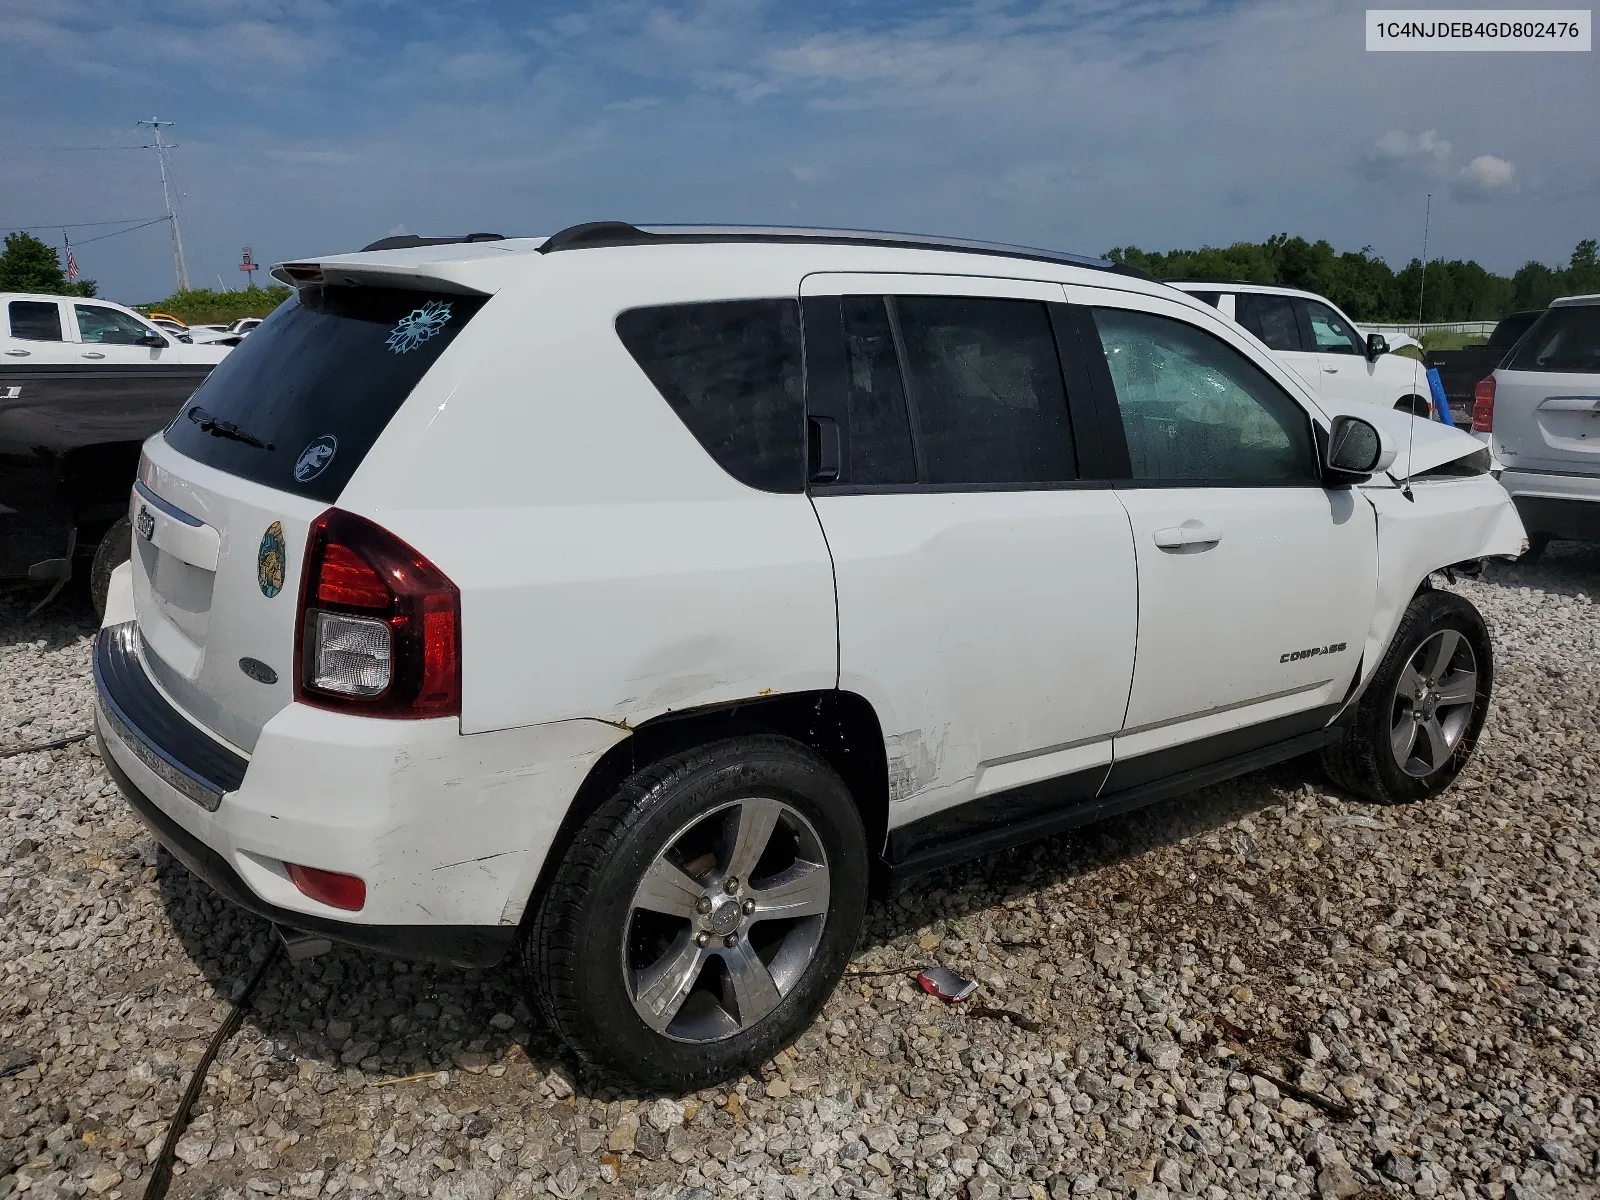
(880, 431)
(35, 320)
(297, 405)
(987, 400)
(731, 371)
(1563, 339)
(1270, 318)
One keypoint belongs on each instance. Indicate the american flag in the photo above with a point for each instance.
(72, 265)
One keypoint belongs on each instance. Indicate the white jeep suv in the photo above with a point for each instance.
(641, 598)
(1314, 339)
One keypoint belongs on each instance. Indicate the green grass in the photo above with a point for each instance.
(202, 307)
(1438, 339)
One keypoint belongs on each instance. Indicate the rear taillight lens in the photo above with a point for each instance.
(379, 627)
(1483, 405)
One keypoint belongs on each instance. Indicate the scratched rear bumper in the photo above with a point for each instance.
(448, 832)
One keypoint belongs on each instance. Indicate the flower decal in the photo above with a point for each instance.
(419, 325)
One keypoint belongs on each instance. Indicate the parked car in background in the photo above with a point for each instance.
(1315, 340)
(671, 632)
(1460, 370)
(82, 384)
(1540, 413)
(170, 324)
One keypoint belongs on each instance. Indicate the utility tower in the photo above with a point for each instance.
(179, 267)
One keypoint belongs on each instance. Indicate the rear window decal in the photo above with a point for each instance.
(418, 326)
(315, 458)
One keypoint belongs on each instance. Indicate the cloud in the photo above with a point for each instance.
(1399, 146)
(1489, 174)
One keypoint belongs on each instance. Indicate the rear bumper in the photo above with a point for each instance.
(1560, 506)
(457, 945)
(448, 832)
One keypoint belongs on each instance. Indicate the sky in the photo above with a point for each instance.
(305, 127)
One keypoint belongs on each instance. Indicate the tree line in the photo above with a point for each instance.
(1367, 288)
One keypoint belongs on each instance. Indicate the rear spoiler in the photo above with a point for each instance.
(433, 277)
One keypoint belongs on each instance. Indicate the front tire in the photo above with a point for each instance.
(1418, 722)
(703, 914)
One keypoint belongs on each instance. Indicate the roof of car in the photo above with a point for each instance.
(416, 255)
(1564, 301)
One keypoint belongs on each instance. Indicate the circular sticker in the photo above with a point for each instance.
(314, 459)
(270, 560)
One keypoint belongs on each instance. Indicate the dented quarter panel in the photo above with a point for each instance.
(1447, 521)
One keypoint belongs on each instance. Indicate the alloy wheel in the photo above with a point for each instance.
(1433, 703)
(725, 920)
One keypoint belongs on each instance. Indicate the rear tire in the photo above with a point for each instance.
(661, 952)
(1418, 722)
(115, 548)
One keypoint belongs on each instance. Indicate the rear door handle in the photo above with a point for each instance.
(1190, 533)
(93, 354)
(1331, 370)
(19, 353)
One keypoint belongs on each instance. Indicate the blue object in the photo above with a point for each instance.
(1441, 404)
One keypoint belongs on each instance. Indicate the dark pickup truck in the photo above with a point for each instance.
(1460, 370)
(82, 384)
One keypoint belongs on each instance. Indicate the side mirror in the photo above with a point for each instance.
(1356, 451)
(1376, 344)
(152, 339)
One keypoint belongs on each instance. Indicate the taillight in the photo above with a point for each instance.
(1483, 405)
(379, 626)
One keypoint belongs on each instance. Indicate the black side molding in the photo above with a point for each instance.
(897, 872)
(454, 945)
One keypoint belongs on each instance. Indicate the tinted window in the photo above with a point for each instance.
(1270, 318)
(1563, 339)
(318, 380)
(731, 371)
(1511, 328)
(35, 320)
(1193, 407)
(1333, 334)
(985, 388)
(880, 432)
(107, 326)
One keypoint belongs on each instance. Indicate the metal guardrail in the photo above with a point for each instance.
(1475, 328)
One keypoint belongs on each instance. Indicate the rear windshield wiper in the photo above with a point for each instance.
(225, 429)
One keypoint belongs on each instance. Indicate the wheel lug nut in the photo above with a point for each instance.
(749, 907)
(703, 940)
(703, 905)
(731, 886)
(731, 941)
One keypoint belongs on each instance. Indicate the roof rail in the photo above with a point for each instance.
(595, 234)
(405, 241)
(1220, 279)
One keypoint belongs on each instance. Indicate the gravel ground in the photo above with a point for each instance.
(1259, 990)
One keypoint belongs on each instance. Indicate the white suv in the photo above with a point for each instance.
(1309, 335)
(643, 597)
(1540, 414)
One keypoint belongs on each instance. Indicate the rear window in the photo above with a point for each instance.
(35, 320)
(730, 369)
(1563, 339)
(316, 383)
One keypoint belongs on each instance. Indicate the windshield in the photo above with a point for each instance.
(301, 400)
